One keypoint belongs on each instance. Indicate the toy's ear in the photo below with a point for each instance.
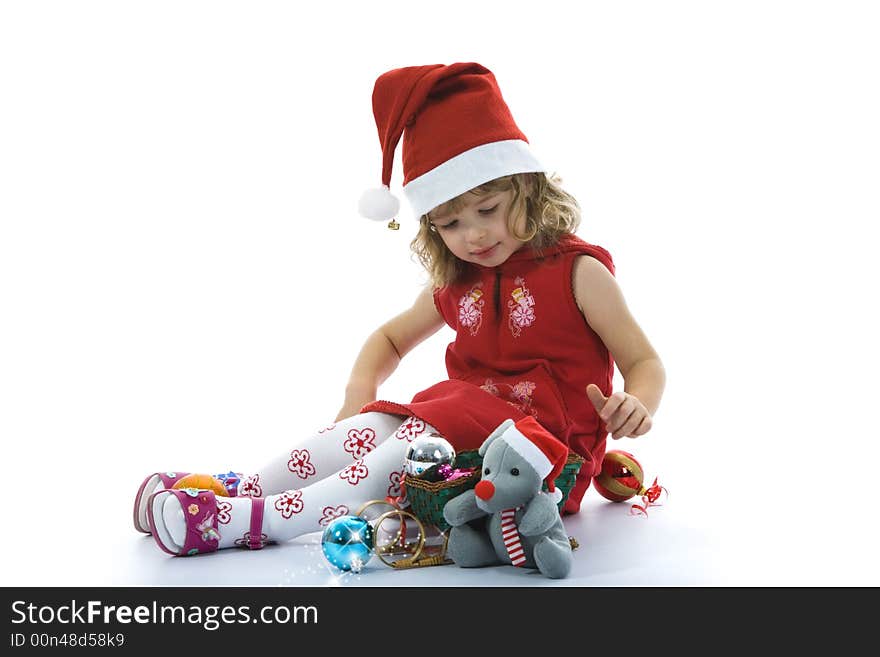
(504, 426)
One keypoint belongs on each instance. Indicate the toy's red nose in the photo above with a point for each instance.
(484, 490)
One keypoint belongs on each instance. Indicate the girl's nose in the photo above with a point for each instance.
(476, 235)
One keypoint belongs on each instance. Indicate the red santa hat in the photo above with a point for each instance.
(540, 448)
(457, 131)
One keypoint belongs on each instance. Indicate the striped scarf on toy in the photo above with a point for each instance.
(511, 537)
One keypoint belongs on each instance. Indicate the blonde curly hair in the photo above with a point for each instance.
(550, 213)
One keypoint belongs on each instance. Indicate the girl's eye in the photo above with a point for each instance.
(448, 226)
(489, 210)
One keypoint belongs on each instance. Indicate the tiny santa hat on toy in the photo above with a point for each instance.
(543, 451)
(457, 132)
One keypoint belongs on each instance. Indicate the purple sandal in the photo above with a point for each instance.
(199, 510)
(149, 486)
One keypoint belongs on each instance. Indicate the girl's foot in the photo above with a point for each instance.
(152, 483)
(222, 484)
(195, 521)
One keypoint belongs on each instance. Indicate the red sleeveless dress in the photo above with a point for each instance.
(522, 346)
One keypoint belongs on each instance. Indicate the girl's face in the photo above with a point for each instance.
(479, 233)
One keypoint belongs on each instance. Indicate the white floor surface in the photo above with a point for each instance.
(615, 549)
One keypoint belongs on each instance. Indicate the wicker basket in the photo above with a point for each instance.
(427, 498)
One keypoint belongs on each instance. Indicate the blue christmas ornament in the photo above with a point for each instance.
(348, 543)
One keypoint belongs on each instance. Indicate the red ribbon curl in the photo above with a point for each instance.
(649, 498)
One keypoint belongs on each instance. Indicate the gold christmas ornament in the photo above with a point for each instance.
(401, 538)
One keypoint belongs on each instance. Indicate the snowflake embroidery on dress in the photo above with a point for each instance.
(360, 442)
(518, 395)
(251, 487)
(289, 502)
(330, 513)
(411, 427)
(223, 512)
(354, 473)
(522, 308)
(522, 391)
(300, 463)
(470, 310)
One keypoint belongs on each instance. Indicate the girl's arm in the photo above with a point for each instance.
(384, 349)
(626, 413)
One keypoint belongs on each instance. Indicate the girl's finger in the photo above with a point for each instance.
(644, 427)
(614, 402)
(619, 424)
(597, 399)
(621, 415)
(630, 425)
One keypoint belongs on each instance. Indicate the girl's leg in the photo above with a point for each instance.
(293, 512)
(314, 458)
(322, 454)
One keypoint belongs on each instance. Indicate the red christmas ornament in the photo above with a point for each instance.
(622, 478)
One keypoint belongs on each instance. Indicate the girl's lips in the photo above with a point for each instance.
(484, 252)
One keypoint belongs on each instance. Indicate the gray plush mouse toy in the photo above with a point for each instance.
(524, 527)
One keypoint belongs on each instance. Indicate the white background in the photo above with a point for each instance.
(185, 281)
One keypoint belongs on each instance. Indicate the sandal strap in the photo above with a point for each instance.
(168, 479)
(256, 540)
(200, 511)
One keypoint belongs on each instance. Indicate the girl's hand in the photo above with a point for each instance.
(348, 410)
(622, 413)
(356, 398)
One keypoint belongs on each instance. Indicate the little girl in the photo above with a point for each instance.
(538, 316)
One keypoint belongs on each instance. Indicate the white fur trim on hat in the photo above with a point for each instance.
(468, 170)
(529, 451)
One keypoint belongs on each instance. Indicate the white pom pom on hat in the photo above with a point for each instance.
(379, 204)
(459, 133)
